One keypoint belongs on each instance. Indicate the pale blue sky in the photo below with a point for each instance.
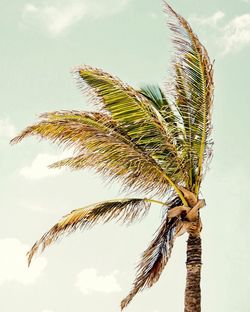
(41, 41)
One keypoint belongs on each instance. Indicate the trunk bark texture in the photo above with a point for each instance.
(193, 264)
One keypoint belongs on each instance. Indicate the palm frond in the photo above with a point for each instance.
(99, 144)
(171, 115)
(134, 112)
(166, 109)
(154, 259)
(125, 211)
(155, 95)
(194, 94)
(58, 126)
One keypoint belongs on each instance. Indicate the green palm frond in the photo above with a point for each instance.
(134, 112)
(155, 95)
(154, 259)
(165, 108)
(194, 94)
(125, 211)
(101, 145)
(169, 111)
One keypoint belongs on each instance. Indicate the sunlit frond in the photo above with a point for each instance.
(194, 94)
(125, 211)
(154, 259)
(101, 145)
(135, 113)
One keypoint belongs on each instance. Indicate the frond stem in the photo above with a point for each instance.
(177, 190)
(203, 140)
(154, 201)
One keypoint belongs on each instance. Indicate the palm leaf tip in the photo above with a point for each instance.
(17, 139)
(125, 211)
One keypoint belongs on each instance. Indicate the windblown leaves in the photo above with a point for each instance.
(154, 259)
(123, 210)
(136, 114)
(99, 144)
(194, 94)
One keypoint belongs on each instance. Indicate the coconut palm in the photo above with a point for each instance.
(155, 142)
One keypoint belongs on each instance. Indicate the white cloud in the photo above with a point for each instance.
(62, 14)
(233, 35)
(7, 130)
(210, 20)
(55, 18)
(236, 34)
(39, 166)
(47, 310)
(13, 263)
(88, 281)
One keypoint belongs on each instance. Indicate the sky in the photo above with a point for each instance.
(41, 42)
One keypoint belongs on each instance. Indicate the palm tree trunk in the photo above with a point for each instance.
(193, 264)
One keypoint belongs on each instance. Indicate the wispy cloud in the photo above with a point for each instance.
(89, 281)
(212, 20)
(13, 263)
(236, 34)
(230, 36)
(54, 18)
(58, 17)
(38, 169)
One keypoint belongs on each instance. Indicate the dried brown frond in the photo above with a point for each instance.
(178, 220)
(123, 210)
(154, 259)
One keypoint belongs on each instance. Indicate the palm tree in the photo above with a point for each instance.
(155, 143)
